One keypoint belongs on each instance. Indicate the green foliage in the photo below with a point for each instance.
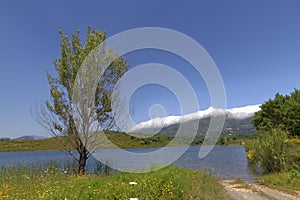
(274, 151)
(73, 54)
(271, 151)
(281, 112)
(278, 127)
(168, 183)
(236, 139)
(222, 140)
(294, 153)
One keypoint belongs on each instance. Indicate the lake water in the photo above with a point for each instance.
(222, 161)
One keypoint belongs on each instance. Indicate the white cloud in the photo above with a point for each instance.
(155, 125)
(243, 112)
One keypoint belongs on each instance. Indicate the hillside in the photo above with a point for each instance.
(231, 126)
(120, 139)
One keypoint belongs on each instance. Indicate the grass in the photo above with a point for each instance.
(284, 180)
(169, 183)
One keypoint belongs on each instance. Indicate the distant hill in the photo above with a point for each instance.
(231, 126)
(30, 137)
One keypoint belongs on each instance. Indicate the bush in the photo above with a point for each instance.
(223, 140)
(270, 151)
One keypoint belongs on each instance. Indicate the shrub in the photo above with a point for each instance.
(271, 151)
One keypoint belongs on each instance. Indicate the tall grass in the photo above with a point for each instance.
(290, 180)
(24, 182)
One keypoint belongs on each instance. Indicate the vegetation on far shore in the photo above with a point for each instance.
(50, 183)
(120, 139)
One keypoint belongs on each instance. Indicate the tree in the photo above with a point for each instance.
(60, 114)
(282, 112)
(293, 113)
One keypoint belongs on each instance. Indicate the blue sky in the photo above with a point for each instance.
(255, 44)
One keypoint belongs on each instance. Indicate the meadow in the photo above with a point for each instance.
(25, 182)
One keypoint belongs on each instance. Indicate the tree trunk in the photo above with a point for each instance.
(82, 162)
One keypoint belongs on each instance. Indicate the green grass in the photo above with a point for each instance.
(283, 180)
(169, 183)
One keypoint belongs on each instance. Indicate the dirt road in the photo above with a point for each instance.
(239, 190)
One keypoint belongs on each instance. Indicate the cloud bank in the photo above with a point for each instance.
(155, 125)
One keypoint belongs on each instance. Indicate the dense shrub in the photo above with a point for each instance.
(271, 150)
(274, 152)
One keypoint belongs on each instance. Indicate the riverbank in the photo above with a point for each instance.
(168, 183)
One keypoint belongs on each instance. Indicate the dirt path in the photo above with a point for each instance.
(239, 190)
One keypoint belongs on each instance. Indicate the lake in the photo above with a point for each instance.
(222, 161)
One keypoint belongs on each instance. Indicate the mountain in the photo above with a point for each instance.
(30, 137)
(237, 121)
